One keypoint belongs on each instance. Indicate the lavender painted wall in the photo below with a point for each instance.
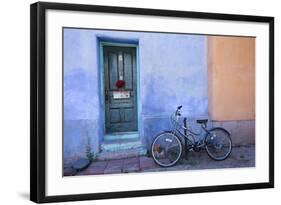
(172, 71)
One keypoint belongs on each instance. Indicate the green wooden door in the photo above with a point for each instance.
(120, 103)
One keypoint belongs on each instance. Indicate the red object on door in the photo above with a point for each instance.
(120, 83)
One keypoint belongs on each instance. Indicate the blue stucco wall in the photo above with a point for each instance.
(172, 71)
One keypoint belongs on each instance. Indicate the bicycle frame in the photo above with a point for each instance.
(187, 134)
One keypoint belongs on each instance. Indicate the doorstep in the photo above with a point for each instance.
(121, 146)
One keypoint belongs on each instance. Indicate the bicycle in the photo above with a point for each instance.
(167, 147)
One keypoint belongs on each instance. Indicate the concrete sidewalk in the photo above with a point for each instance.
(243, 156)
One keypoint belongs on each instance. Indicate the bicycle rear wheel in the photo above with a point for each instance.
(166, 149)
(218, 144)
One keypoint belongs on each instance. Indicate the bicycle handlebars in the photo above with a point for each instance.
(178, 110)
(179, 107)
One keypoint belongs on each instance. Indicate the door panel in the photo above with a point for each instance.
(128, 71)
(113, 69)
(128, 115)
(114, 115)
(120, 103)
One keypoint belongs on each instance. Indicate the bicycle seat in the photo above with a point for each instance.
(204, 121)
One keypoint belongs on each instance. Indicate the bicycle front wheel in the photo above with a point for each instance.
(166, 149)
(218, 144)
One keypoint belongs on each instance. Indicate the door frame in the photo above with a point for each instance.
(135, 45)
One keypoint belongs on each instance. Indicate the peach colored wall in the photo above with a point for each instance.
(231, 77)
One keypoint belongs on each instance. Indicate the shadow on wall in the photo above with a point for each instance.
(242, 131)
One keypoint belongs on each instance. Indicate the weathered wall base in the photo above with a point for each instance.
(78, 134)
(242, 131)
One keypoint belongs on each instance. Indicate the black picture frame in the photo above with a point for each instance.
(38, 101)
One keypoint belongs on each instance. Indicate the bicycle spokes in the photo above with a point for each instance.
(218, 144)
(166, 149)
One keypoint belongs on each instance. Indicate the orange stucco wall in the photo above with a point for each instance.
(231, 73)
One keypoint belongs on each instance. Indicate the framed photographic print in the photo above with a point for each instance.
(129, 102)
